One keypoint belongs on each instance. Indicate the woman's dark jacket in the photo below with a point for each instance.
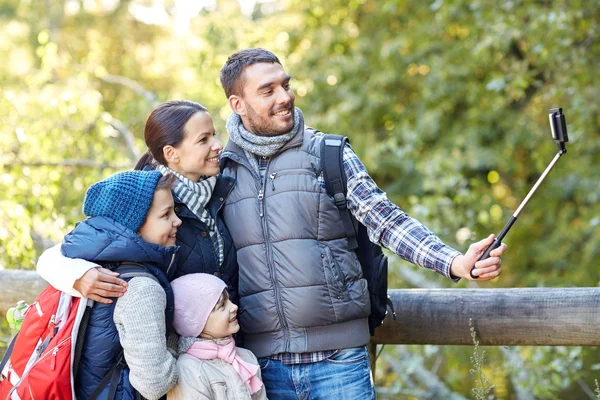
(104, 241)
(197, 252)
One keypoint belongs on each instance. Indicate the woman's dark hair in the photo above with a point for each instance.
(164, 127)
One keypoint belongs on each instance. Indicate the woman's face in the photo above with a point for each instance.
(160, 226)
(198, 153)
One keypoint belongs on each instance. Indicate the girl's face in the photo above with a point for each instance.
(198, 153)
(161, 222)
(222, 321)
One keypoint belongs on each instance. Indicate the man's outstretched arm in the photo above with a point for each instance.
(389, 226)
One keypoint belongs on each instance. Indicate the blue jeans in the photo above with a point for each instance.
(345, 375)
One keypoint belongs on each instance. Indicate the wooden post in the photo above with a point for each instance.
(372, 347)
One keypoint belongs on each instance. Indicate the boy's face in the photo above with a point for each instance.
(266, 104)
(161, 222)
(222, 321)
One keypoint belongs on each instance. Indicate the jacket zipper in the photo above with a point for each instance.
(270, 261)
(170, 264)
(220, 266)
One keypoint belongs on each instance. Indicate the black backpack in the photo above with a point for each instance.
(372, 260)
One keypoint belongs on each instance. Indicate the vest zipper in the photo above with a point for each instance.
(260, 202)
(289, 172)
(278, 305)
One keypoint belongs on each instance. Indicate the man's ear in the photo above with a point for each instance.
(237, 105)
(171, 155)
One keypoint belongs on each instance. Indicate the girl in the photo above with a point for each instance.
(181, 140)
(210, 366)
(131, 219)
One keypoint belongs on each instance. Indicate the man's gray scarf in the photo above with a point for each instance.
(261, 146)
(196, 195)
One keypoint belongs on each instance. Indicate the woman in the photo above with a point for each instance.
(181, 139)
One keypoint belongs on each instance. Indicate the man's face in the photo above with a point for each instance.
(266, 104)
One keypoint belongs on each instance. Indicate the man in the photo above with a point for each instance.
(304, 306)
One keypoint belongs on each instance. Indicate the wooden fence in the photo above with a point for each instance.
(519, 316)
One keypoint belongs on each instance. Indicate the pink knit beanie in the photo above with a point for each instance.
(195, 297)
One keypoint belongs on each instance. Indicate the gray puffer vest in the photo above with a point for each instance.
(301, 287)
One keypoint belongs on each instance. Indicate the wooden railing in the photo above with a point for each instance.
(519, 316)
(18, 285)
(501, 317)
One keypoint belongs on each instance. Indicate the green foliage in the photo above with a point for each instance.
(551, 370)
(451, 92)
(445, 102)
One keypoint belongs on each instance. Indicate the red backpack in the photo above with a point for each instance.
(40, 363)
(42, 360)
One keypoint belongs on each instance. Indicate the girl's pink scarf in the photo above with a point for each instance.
(209, 350)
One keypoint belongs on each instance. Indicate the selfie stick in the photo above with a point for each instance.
(558, 126)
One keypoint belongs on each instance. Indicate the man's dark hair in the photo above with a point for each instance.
(231, 73)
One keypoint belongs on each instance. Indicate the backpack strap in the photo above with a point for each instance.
(112, 378)
(130, 269)
(332, 163)
(81, 336)
(8, 353)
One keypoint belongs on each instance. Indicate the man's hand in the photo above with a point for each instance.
(99, 284)
(487, 269)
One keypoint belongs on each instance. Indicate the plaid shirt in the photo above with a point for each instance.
(387, 226)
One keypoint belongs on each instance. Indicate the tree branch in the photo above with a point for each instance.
(585, 388)
(430, 381)
(70, 163)
(127, 135)
(147, 95)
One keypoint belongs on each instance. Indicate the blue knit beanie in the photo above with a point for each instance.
(125, 197)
